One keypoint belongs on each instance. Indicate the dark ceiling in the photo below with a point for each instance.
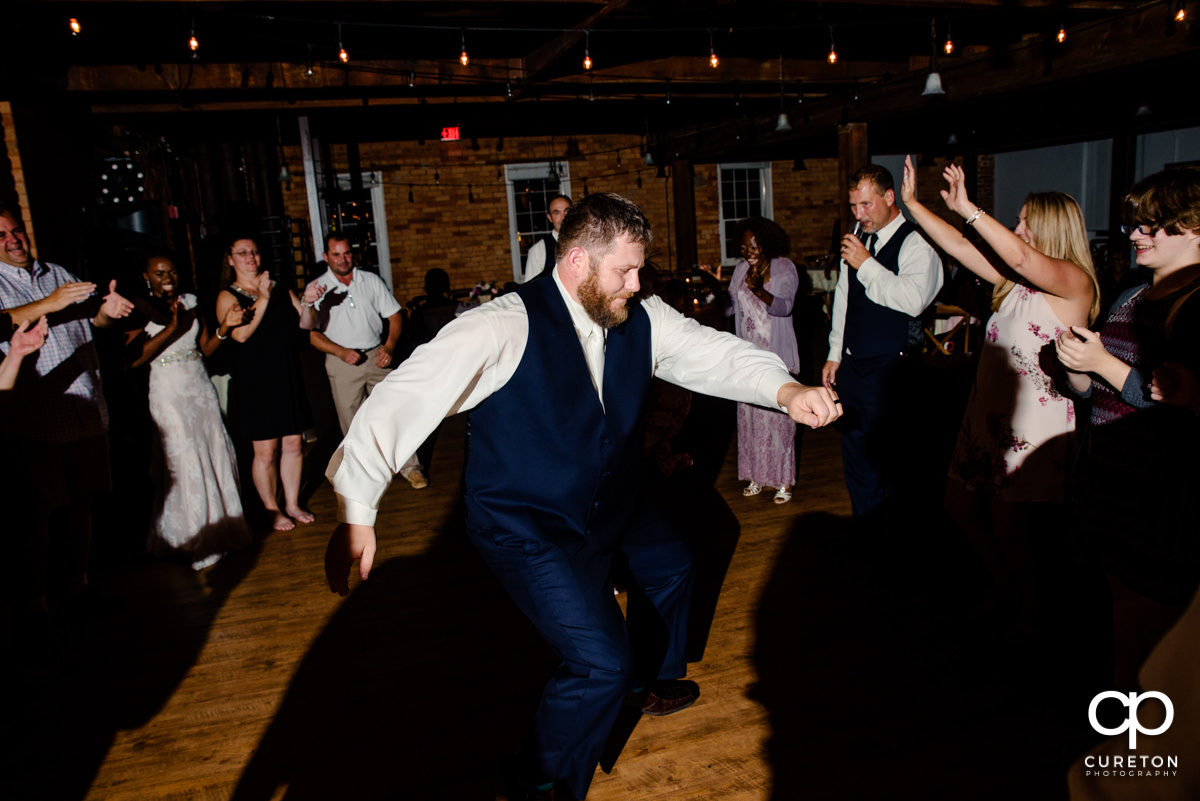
(1008, 82)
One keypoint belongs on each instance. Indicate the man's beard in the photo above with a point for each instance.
(599, 305)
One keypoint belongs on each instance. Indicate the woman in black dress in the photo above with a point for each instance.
(268, 385)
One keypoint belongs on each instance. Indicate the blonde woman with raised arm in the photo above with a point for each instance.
(1014, 448)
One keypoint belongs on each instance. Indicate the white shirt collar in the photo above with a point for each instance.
(884, 234)
(584, 325)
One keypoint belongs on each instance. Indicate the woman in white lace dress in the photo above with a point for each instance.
(197, 509)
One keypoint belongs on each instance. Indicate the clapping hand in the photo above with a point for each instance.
(65, 295)
(313, 292)
(28, 338)
(264, 285)
(1176, 385)
(234, 317)
(115, 306)
(1080, 350)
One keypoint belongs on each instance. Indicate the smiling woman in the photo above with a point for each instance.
(762, 292)
(197, 511)
(1138, 472)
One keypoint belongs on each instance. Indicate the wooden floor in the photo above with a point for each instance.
(836, 665)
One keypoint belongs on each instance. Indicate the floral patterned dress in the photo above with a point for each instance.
(767, 438)
(1018, 431)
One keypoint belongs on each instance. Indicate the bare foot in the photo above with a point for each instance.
(283, 522)
(301, 515)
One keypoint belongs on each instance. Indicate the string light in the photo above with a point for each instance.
(193, 42)
(308, 63)
(587, 50)
(343, 56)
(76, 28)
(1062, 34)
(949, 46)
(1180, 12)
(713, 61)
(832, 47)
(463, 58)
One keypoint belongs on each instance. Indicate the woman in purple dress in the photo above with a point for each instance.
(762, 292)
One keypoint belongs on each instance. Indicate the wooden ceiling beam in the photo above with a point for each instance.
(1091, 52)
(537, 62)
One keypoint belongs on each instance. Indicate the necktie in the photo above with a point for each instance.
(594, 349)
(871, 244)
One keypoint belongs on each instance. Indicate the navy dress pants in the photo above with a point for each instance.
(871, 391)
(567, 592)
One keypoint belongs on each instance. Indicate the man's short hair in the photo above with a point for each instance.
(550, 202)
(5, 211)
(336, 236)
(879, 176)
(598, 220)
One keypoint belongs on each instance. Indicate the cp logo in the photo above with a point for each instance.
(1132, 724)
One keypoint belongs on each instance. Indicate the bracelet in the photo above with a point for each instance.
(222, 338)
(307, 305)
(978, 213)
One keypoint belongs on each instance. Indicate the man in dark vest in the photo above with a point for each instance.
(886, 283)
(542, 255)
(555, 376)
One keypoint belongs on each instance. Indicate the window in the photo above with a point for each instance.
(360, 216)
(743, 190)
(530, 189)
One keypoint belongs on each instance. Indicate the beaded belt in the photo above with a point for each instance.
(192, 355)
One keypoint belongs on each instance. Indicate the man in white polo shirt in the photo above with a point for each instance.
(351, 315)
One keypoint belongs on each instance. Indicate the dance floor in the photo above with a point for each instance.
(833, 664)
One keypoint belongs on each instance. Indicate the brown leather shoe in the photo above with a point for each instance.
(665, 697)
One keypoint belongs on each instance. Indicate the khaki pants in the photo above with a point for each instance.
(350, 385)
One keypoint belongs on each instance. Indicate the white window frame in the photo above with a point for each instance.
(765, 196)
(375, 181)
(525, 172)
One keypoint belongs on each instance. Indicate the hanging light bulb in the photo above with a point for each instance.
(193, 42)
(308, 64)
(832, 47)
(76, 28)
(1180, 12)
(463, 58)
(949, 46)
(713, 61)
(343, 56)
(1062, 34)
(587, 50)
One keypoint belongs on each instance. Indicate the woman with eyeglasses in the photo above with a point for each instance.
(197, 509)
(1012, 458)
(268, 387)
(762, 291)
(1138, 471)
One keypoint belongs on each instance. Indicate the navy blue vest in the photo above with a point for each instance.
(544, 459)
(871, 329)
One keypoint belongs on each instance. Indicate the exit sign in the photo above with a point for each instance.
(450, 134)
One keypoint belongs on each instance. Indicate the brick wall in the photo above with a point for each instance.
(17, 172)
(470, 240)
